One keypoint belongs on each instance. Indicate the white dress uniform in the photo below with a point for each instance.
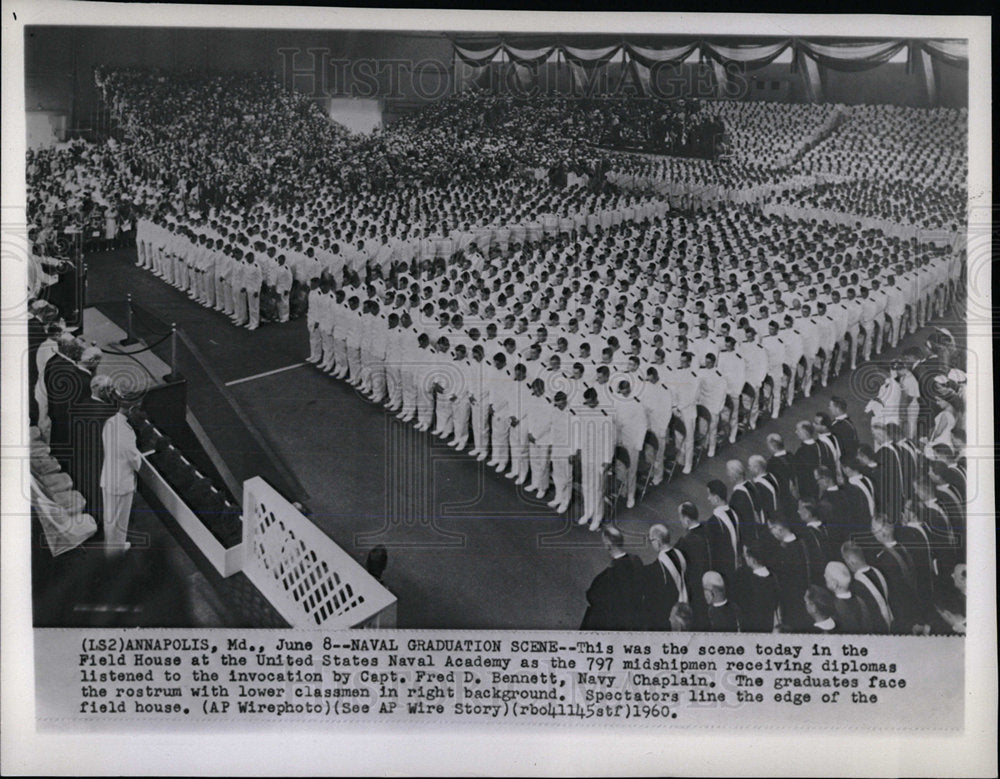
(352, 341)
(253, 278)
(462, 407)
(393, 368)
(283, 288)
(712, 391)
(560, 451)
(684, 384)
(810, 333)
(121, 462)
(424, 370)
(338, 316)
(895, 311)
(658, 403)
(594, 437)
(630, 430)
(500, 391)
(734, 371)
(313, 319)
(447, 375)
(517, 435)
(378, 348)
(794, 349)
(479, 401)
(774, 346)
(538, 425)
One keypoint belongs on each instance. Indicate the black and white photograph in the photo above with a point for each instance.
(666, 330)
(550, 331)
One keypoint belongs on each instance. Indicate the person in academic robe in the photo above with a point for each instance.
(615, 597)
(756, 590)
(65, 385)
(723, 615)
(793, 567)
(819, 605)
(843, 521)
(722, 532)
(779, 465)
(889, 485)
(665, 580)
(695, 548)
(852, 614)
(743, 501)
(813, 529)
(842, 428)
(893, 560)
(87, 427)
(805, 460)
(868, 585)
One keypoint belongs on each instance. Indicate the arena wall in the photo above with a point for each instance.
(409, 69)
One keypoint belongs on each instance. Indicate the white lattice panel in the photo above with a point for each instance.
(310, 580)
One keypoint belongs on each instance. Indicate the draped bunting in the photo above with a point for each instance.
(929, 78)
(576, 54)
(673, 55)
(477, 57)
(954, 53)
(644, 60)
(851, 56)
(750, 55)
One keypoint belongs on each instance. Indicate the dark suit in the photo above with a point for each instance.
(909, 461)
(860, 507)
(956, 478)
(805, 460)
(615, 596)
(843, 520)
(780, 467)
(758, 598)
(724, 558)
(726, 618)
(820, 547)
(697, 552)
(889, 489)
(65, 385)
(923, 546)
(86, 426)
(852, 615)
(860, 591)
(743, 501)
(766, 493)
(847, 436)
(793, 567)
(659, 595)
(900, 573)
(36, 336)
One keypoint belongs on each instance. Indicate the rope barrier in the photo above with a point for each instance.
(138, 351)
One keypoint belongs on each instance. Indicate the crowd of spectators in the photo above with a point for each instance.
(421, 243)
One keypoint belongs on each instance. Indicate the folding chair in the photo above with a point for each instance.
(766, 395)
(650, 447)
(676, 438)
(701, 427)
(748, 402)
(725, 425)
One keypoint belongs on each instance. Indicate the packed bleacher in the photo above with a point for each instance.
(600, 331)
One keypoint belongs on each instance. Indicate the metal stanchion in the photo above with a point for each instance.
(174, 374)
(129, 338)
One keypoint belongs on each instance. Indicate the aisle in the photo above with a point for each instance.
(465, 549)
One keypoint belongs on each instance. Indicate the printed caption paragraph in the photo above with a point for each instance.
(191, 678)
